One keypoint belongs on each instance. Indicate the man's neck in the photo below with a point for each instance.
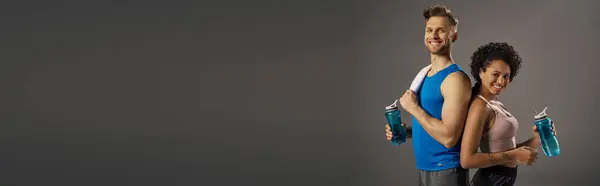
(441, 61)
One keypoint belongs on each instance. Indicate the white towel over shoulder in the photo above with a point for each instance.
(416, 83)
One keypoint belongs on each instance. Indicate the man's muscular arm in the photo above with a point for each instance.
(456, 90)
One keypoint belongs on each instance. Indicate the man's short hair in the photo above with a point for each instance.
(440, 10)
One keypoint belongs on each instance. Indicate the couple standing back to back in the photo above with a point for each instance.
(451, 119)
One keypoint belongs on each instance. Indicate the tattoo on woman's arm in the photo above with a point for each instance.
(491, 158)
(505, 156)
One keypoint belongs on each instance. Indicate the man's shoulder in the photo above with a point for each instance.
(456, 84)
(455, 73)
(458, 78)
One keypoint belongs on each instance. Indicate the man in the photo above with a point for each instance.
(440, 110)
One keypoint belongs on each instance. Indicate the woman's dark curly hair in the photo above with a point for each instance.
(485, 54)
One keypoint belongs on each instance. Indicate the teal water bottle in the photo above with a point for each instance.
(392, 114)
(549, 141)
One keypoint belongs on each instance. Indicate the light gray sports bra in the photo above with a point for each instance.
(501, 136)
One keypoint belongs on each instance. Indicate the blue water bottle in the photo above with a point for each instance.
(549, 141)
(392, 114)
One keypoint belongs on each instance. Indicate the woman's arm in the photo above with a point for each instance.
(479, 115)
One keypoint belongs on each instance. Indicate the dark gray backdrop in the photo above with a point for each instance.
(265, 93)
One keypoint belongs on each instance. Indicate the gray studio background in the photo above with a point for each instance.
(266, 92)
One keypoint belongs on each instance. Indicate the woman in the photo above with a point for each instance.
(489, 125)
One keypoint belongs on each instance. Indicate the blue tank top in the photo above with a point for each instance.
(431, 155)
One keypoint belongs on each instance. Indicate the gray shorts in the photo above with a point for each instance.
(449, 177)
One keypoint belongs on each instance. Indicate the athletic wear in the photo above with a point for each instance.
(449, 177)
(431, 155)
(501, 136)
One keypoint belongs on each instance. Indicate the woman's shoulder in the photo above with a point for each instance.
(479, 105)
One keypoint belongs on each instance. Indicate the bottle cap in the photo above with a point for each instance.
(541, 114)
(392, 106)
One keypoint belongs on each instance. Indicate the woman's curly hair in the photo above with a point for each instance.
(485, 54)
